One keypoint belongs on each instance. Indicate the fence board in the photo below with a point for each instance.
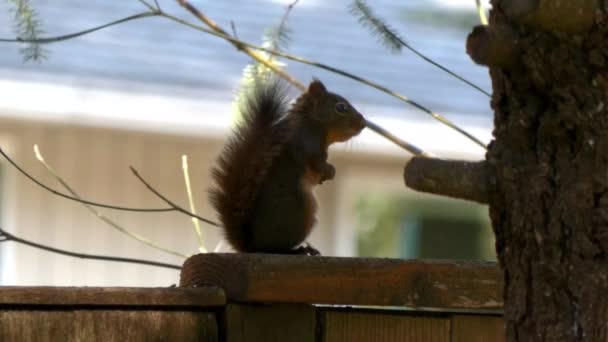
(476, 328)
(384, 327)
(112, 296)
(36, 326)
(355, 281)
(144, 326)
(107, 326)
(270, 323)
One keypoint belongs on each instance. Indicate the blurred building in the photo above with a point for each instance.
(148, 91)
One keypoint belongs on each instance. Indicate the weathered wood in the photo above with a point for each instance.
(383, 327)
(274, 323)
(112, 296)
(476, 328)
(36, 326)
(356, 281)
(144, 326)
(107, 326)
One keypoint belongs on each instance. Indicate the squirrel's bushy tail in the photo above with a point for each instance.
(247, 157)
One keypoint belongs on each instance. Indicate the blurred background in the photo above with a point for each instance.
(148, 91)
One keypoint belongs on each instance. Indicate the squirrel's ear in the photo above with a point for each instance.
(316, 88)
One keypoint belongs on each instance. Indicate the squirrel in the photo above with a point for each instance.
(266, 172)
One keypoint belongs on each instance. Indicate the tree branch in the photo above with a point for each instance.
(241, 47)
(6, 236)
(60, 194)
(453, 178)
(99, 215)
(341, 72)
(218, 32)
(493, 46)
(168, 201)
(55, 39)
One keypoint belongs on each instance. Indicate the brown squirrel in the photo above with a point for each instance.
(265, 174)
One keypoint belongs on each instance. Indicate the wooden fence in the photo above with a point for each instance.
(241, 297)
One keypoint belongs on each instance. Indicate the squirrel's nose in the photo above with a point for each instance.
(360, 122)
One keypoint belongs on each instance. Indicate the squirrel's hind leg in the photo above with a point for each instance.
(306, 249)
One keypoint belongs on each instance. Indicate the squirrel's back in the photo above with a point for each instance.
(248, 156)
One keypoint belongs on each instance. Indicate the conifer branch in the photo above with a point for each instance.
(28, 26)
(392, 39)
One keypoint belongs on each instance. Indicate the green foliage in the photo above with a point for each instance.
(381, 219)
(27, 27)
(379, 224)
(377, 26)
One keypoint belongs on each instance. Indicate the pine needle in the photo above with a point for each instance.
(377, 26)
(391, 39)
(27, 26)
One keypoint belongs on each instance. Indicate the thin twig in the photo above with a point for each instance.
(286, 14)
(10, 237)
(298, 84)
(168, 201)
(145, 3)
(195, 222)
(99, 215)
(341, 72)
(55, 39)
(55, 192)
(403, 144)
(253, 54)
(368, 18)
(482, 13)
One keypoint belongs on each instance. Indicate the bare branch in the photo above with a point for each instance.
(341, 72)
(493, 46)
(367, 17)
(99, 215)
(253, 54)
(6, 236)
(195, 222)
(452, 178)
(55, 39)
(298, 84)
(403, 144)
(168, 201)
(60, 194)
(481, 12)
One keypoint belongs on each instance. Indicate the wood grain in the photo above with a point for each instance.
(144, 326)
(36, 326)
(384, 327)
(354, 281)
(107, 326)
(476, 328)
(112, 296)
(270, 323)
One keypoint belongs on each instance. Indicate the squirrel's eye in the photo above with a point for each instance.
(341, 107)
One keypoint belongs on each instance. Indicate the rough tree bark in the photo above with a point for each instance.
(546, 170)
(548, 195)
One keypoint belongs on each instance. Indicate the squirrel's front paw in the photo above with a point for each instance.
(329, 172)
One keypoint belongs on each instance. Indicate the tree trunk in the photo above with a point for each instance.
(548, 191)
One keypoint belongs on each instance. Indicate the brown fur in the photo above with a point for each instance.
(265, 174)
